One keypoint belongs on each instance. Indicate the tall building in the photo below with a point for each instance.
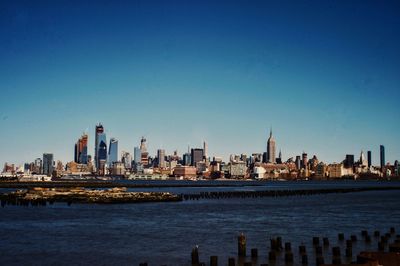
(161, 158)
(271, 149)
(363, 161)
(137, 155)
(38, 166)
(144, 154)
(205, 149)
(112, 152)
(304, 160)
(298, 162)
(369, 155)
(196, 156)
(126, 159)
(81, 152)
(48, 164)
(349, 161)
(100, 146)
(382, 151)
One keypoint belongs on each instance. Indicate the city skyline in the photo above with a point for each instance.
(326, 80)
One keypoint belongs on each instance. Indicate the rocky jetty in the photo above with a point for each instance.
(42, 196)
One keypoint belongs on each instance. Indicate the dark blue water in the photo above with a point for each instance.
(164, 233)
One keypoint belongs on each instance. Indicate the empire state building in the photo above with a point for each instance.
(271, 149)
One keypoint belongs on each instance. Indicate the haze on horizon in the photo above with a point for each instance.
(323, 74)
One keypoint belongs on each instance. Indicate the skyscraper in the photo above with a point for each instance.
(205, 149)
(271, 155)
(126, 159)
(304, 160)
(100, 146)
(196, 156)
(382, 151)
(48, 164)
(144, 154)
(137, 155)
(369, 155)
(81, 155)
(112, 152)
(161, 158)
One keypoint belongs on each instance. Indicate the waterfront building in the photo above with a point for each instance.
(100, 148)
(117, 168)
(112, 152)
(382, 153)
(320, 171)
(335, 170)
(349, 161)
(271, 155)
(196, 156)
(81, 152)
(237, 169)
(369, 155)
(48, 164)
(137, 155)
(161, 158)
(185, 171)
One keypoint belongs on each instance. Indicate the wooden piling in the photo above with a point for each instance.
(242, 245)
(341, 236)
(320, 261)
(304, 259)
(289, 257)
(254, 253)
(325, 241)
(336, 251)
(315, 241)
(272, 256)
(195, 256)
(288, 247)
(302, 249)
(231, 262)
(214, 261)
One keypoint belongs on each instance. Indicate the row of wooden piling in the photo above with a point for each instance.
(276, 193)
(277, 247)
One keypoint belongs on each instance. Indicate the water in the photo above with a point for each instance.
(164, 233)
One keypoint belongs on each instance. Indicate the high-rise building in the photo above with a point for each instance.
(48, 164)
(304, 160)
(161, 158)
(112, 152)
(137, 155)
(187, 159)
(271, 149)
(369, 155)
(298, 162)
(363, 161)
(196, 156)
(100, 147)
(144, 154)
(81, 154)
(382, 152)
(205, 149)
(126, 159)
(349, 161)
(38, 166)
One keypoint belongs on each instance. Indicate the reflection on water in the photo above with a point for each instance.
(164, 233)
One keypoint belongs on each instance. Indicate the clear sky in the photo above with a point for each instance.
(324, 74)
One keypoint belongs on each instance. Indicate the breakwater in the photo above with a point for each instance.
(277, 193)
(42, 196)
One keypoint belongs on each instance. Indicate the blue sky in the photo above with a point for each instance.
(323, 74)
